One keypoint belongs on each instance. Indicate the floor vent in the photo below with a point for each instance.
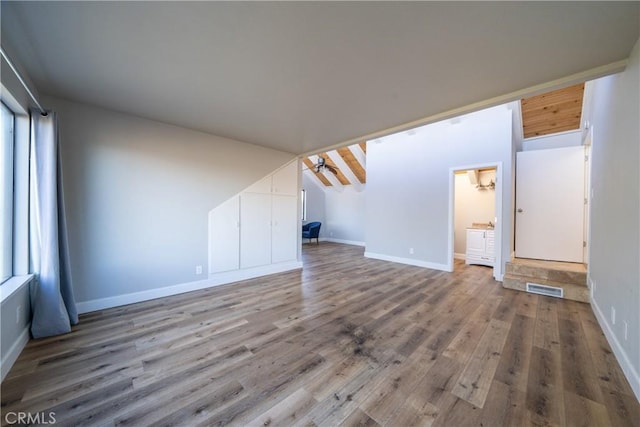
(550, 291)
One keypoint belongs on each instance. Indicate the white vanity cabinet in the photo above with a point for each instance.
(481, 246)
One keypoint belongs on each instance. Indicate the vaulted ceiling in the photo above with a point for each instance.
(349, 164)
(303, 76)
(552, 112)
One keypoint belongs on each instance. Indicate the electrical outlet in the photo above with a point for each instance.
(626, 330)
(198, 269)
(613, 315)
(18, 314)
(410, 251)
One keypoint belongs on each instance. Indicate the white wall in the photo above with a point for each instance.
(563, 139)
(345, 215)
(472, 205)
(614, 263)
(138, 193)
(408, 183)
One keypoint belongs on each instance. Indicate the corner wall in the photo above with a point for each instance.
(408, 184)
(614, 260)
(137, 194)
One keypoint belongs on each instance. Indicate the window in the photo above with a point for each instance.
(6, 193)
(303, 200)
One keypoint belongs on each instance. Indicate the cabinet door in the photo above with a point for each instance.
(476, 242)
(285, 181)
(284, 232)
(224, 236)
(255, 229)
(263, 186)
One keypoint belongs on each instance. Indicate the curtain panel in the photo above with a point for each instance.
(52, 303)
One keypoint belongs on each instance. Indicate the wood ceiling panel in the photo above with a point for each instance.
(320, 176)
(353, 164)
(552, 112)
(343, 179)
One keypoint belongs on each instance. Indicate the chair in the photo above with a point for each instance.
(311, 231)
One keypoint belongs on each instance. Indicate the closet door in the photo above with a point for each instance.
(255, 230)
(224, 236)
(285, 181)
(284, 232)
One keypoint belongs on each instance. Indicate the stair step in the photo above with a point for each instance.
(571, 290)
(545, 273)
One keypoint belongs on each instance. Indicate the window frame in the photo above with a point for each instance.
(303, 202)
(7, 157)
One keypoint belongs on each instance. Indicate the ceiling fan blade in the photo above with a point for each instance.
(332, 169)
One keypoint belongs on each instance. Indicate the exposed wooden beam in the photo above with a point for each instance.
(353, 164)
(309, 164)
(339, 175)
(363, 145)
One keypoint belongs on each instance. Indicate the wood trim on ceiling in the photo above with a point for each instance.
(353, 163)
(340, 176)
(552, 112)
(309, 164)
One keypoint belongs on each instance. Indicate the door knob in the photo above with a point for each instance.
(520, 211)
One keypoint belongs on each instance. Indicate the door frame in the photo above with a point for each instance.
(499, 227)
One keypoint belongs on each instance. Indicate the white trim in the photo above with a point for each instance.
(409, 261)
(591, 74)
(14, 351)
(623, 359)
(551, 135)
(459, 256)
(216, 279)
(497, 268)
(342, 241)
(12, 285)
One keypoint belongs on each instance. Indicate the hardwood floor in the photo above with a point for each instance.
(347, 341)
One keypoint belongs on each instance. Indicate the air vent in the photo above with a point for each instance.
(550, 291)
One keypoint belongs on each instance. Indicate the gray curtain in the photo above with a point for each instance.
(52, 303)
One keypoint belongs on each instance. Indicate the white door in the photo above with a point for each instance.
(284, 232)
(550, 204)
(255, 230)
(224, 236)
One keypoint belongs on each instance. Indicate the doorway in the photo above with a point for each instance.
(475, 216)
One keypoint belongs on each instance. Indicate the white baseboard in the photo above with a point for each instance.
(409, 261)
(623, 359)
(216, 279)
(460, 256)
(14, 351)
(344, 242)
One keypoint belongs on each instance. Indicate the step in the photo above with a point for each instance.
(571, 290)
(556, 272)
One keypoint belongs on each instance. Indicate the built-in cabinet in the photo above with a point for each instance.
(481, 246)
(259, 226)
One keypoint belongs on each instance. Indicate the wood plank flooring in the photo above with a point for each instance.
(347, 341)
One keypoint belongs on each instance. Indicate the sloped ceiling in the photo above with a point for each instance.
(300, 76)
(348, 162)
(552, 112)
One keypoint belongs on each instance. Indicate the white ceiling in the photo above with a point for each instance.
(302, 76)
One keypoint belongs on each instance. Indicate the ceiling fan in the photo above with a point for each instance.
(322, 166)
